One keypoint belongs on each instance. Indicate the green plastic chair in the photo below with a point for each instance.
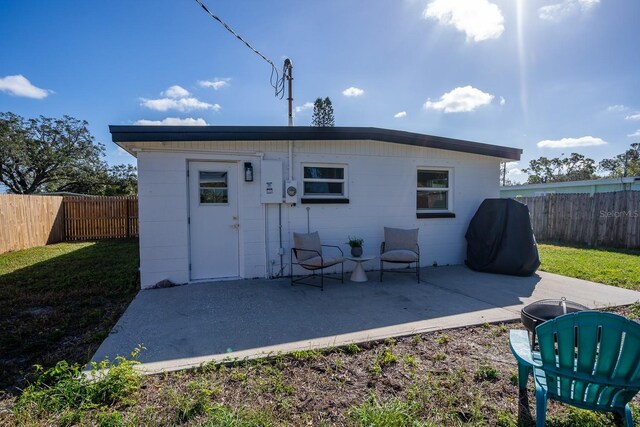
(588, 359)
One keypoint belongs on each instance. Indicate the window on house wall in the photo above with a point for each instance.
(214, 188)
(324, 182)
(434, 193)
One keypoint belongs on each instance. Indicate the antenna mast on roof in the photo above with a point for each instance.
(278, 82)
(288, 75)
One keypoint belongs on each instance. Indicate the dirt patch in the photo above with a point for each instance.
(452, 377)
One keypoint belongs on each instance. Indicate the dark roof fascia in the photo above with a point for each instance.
(304, 133)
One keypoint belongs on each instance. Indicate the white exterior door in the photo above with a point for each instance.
(213, 223)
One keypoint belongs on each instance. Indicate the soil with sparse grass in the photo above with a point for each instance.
(464, 376)
(60, 302)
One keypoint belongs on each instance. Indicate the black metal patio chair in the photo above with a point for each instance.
(400, 247)
(307, 252)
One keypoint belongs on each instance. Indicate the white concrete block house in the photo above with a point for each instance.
(203, 217)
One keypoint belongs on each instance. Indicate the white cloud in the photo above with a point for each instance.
(554, 12)
(513, 169)
(182, 104)
(177, 98)
(502, 100)
(636, 133)
(635, 116)
(559, 11)
(173, 121)
(478, 19)
(176, 92)
(588, 4)
(514, 173)
(19, 85)
(216, 83)
(618, 108)
(400, 115)
(460, 100)
(585, 141)
(353, 91)
(304, 107)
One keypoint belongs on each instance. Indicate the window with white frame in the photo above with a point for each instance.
(434, 191)
(324, 181)
(214, 188)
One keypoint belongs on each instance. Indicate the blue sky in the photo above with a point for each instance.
(548, 76)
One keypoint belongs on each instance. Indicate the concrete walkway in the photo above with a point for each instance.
(185, 326)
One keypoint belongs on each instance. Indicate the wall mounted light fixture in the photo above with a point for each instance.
(248, 172)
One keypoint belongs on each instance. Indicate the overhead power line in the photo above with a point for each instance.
(277, 79)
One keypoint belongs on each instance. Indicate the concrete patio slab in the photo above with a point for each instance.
(189, 325)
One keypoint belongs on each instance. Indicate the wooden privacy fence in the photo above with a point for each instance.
(28, 221)
(604, 219)
(89, 218)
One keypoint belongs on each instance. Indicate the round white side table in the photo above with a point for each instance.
(358, 274)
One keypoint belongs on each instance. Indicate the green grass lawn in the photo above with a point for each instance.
(616, 267)
(60, 301)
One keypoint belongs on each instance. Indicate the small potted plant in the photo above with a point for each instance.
(356, 246)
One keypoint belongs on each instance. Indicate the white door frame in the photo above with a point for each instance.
(240, 254)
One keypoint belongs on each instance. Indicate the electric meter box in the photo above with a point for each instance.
(271, 181)
(291, 191)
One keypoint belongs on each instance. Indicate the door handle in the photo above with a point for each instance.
(235, 226)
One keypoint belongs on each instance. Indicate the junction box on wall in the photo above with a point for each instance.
(271, 180)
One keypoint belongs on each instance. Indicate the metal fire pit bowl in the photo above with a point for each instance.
(540, 311)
